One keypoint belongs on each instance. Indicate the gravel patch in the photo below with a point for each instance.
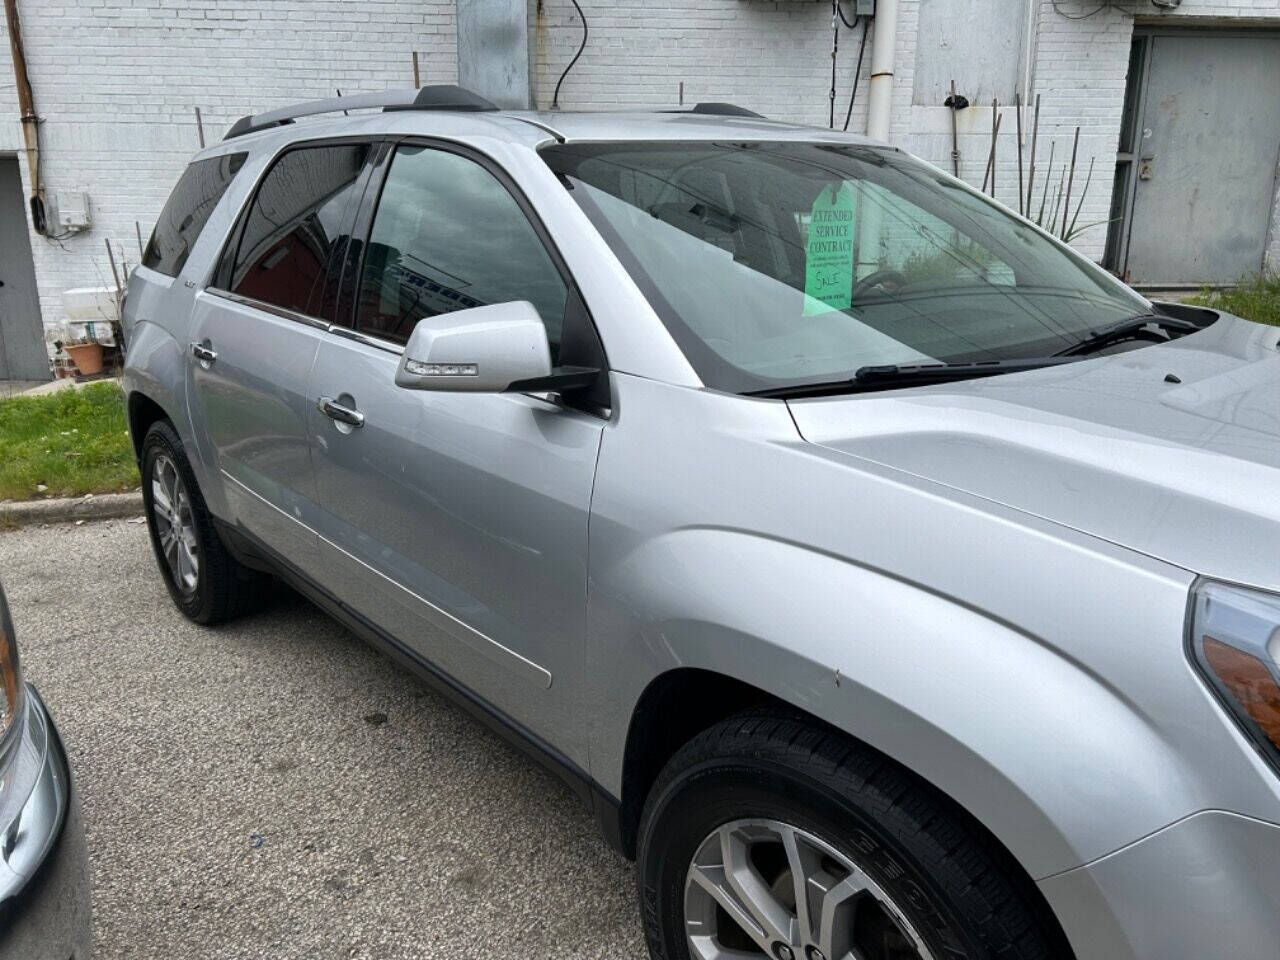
(276, 788)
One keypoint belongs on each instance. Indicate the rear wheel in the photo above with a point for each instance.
(206, 583)
(768, 836)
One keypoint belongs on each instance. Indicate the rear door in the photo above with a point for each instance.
(458, 522)
(255, 332)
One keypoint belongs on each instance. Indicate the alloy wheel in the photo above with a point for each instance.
(175, 526)
(765, 888)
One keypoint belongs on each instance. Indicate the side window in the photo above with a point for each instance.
(447, 236)
(198, 191)
(294, 224)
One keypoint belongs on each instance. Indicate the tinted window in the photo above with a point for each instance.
(294, 226)
(448, 236)
(198, 191)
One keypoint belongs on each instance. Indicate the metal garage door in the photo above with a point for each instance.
(1206, 145)
(22, 352)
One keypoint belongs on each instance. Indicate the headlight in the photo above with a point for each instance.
(1235, 640)
(10, 675)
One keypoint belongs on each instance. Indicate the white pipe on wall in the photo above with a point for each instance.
(880, 94)
(1029, 31)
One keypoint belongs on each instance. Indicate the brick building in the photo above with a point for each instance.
(116, 84)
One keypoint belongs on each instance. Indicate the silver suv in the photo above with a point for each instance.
(889, 580)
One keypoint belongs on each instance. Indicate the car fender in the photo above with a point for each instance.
(904, 669)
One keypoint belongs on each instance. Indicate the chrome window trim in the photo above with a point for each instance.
(282, 312)
(368, 339)
(356, 336)
(523, 666)
(310, 321)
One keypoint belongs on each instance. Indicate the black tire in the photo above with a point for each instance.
(963, 894)
(224, 587)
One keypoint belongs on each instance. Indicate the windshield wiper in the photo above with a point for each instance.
(889, 376)
(1097, 339)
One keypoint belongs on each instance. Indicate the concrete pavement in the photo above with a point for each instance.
(243, 797)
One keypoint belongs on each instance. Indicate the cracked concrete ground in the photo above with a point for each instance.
(244, 797)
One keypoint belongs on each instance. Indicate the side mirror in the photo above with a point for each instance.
(481, 350)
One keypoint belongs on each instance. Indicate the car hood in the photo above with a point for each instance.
(1172, 450)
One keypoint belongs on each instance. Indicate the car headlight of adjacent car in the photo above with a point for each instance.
(1235, 641)
(10, 677)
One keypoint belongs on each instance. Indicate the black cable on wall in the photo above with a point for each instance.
(857, 71)
(555, 97)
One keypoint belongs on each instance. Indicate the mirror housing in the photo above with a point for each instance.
(481, 350)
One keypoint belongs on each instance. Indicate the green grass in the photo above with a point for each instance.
(72, 442)
(1254, 298)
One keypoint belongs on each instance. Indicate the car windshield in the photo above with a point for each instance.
(775, 264)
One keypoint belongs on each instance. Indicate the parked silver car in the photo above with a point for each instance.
(44, 873)
(890, 581)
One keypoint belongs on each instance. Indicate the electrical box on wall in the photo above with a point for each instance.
(68, 212)
(864, 8)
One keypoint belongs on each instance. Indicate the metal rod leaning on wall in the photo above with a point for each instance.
(111, 257)
(1017, 107)
(955, 139)
(996, 117)
(27, 113)
(955, 102)
(1031, 164)
(1071, 176)
(991, 157)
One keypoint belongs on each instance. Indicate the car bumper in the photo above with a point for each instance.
(1206, 886)
(44, 876)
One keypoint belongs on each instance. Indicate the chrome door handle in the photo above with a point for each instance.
(205, 354)
(337, 412)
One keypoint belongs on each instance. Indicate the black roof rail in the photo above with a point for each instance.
(446, 96)
(726, 110)
(437, 97)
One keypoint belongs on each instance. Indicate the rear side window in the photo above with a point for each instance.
(294, 226)
(198, 191)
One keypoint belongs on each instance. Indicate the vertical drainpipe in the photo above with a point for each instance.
(879, 107)
(1030, 33)
(880, 93)
(27, 110)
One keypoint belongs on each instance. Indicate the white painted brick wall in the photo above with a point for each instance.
(771, 57)
(117, 81)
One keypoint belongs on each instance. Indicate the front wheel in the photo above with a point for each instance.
(768, 836)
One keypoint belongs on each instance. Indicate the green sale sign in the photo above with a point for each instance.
(828, 276)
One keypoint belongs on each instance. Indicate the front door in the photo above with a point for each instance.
(22, 352)
(1206, 150)
(255, 333)
(458, 522)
